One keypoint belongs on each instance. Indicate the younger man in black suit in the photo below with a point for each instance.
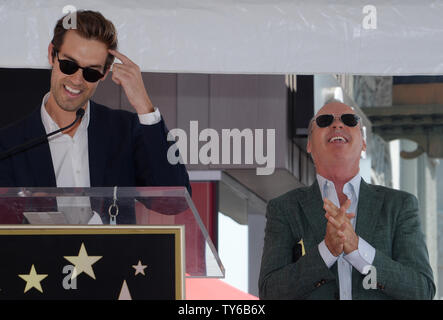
(106, 147)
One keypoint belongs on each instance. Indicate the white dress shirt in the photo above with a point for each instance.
(70, 158)
(359, 258)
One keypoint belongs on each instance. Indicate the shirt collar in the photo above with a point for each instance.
(50, 125)
(352, 187)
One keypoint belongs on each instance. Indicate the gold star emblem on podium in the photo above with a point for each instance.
(33, 280)
(83, 262)
(139, 268)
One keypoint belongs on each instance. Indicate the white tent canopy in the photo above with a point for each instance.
(245, 36)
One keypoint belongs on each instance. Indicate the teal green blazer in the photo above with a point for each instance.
(387, 219)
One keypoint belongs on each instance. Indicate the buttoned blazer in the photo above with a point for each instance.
(387, 219)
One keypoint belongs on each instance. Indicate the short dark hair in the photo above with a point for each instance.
(90, 25)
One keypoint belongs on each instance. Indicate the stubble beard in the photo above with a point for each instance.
(70, 106)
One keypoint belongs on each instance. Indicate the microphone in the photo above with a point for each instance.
(31, 143)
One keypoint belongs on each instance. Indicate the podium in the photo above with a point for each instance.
(102, 243)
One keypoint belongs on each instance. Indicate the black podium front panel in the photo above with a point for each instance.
(84, 262)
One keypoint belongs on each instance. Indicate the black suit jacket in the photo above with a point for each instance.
(122, 152)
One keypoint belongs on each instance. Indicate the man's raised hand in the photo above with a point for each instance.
(128, 75)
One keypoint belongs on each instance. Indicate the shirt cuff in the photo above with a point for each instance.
(362, 258)
(150, 118)
(326, 255)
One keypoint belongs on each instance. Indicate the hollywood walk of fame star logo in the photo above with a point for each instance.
(83, 262)
(33, 280)
(139, 268)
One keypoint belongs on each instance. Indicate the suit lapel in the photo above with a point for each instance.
(97, 146)
(312, 205)
(39, 156)
(369, 207)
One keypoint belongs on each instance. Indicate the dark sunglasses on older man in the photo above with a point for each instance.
(348, 119)
(70, 67)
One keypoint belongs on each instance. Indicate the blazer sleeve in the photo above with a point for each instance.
(280, 276)
(408, 274)
(151, 161)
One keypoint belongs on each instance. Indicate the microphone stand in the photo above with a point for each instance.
(79, 114)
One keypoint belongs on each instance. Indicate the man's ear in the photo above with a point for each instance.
(308, 146)
(106, 74)
(364, 145)
(50, 54)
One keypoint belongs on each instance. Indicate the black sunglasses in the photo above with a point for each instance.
(71, 67)
(325, 120)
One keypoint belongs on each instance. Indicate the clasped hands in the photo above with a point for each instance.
(340, 235)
